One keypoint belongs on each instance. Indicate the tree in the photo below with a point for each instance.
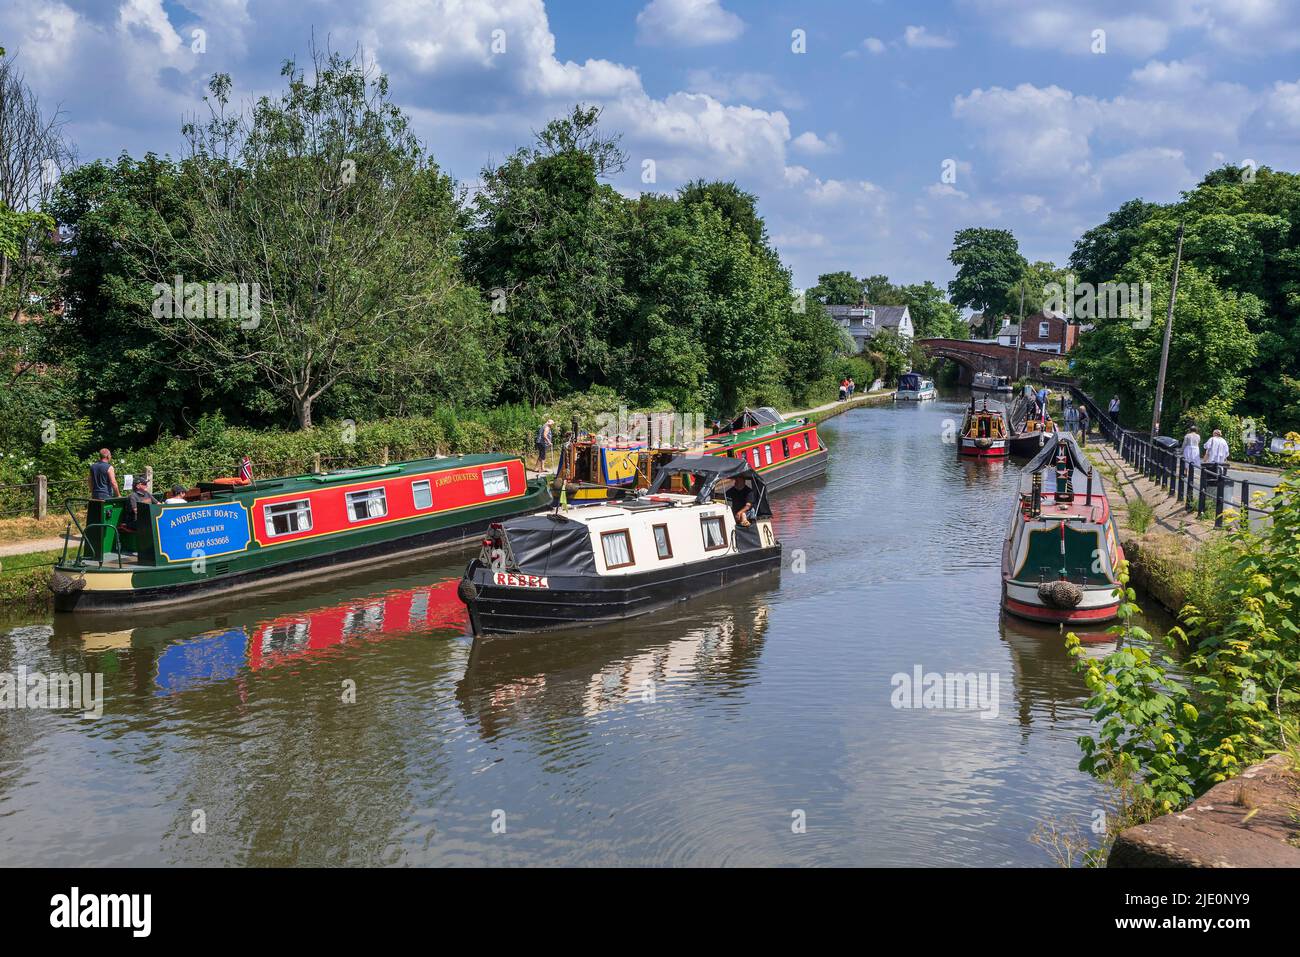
(1035, 279)
(1209, 356)
(988, 263)
(736, 206)
(837, 289)
(933, 316)
(318, 203)
(1101, 252)
(549, 247)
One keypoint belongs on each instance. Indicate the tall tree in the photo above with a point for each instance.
(838, 289)
(549, 247)
(321, 198)
(988, 263)
(1101, 252)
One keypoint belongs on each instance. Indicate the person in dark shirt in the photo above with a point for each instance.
(140, 495)
(103, 481)
(740, 497)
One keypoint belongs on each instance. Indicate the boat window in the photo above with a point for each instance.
(496, 481)
(422, 493)
(663, 544)
(284, 518)
(767, 450)
(714, 535)
(785, 448)
(618, 548)
(369, 503)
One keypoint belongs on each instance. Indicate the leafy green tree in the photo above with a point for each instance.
(549, 248)
(988, 263)
(1209, 356)
(1102, 251)
(736, 206)
(322, 199)
(933, 316)
(838, 289)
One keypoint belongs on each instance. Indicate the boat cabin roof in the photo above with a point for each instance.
(315, 480)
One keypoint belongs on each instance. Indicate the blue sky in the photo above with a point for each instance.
(845, 143)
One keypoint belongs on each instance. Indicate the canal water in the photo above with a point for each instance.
(353, 721)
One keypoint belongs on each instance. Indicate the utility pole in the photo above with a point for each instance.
(1169, 329)
(1020, 329)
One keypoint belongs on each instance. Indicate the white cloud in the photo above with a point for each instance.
(729, 87)
(814, 145)
(687, 23)
(874, 45)
(1278, 116)
(919, 38)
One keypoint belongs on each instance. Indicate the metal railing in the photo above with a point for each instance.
(1199, 487)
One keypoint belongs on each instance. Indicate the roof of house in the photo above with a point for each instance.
(889, 317)
(1011, 329)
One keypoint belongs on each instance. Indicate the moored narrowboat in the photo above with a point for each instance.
(1061, 553)
(782, 452)
(597, 469)
(984, 432)
(913, 387)
(233, 533)
(988, 382)
(600, 563)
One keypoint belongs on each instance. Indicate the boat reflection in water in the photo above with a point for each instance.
(222, 654)
(535, 681)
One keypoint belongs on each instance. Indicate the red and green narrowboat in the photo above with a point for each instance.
(1060, 559)
(782, 452)
(594, 469)
(230, 534)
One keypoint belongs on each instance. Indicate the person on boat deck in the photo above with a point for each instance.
(177, 497)
(545, 440)
(740, 498)
(140, 495)
(103, 480)
(1192, 447)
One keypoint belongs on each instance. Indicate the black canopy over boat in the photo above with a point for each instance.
(606, 562)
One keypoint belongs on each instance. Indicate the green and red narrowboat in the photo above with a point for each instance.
(782, 452)
(1061, 556)
(231, 534)
(594, 469)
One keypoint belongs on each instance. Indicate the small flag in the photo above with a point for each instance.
(246, 469)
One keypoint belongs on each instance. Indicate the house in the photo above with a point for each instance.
(1044, 331)
(863, 321)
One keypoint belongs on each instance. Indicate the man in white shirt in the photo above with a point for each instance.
(1216, 451)
(1192, 447)
(1113, 409)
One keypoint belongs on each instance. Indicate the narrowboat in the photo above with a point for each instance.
(988, 382)
(601, 563)
(1032, 436)
(984, 432)
(782, 452)
(1061, 553)
(236, 533)
(912, 387)
(596, 469)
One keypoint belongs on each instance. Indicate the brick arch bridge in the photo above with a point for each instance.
(972, 357)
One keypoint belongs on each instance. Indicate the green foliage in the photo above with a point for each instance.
(1101, 252)
(1237, 696)
(988, 264)
(1055, 367)
(838, 289)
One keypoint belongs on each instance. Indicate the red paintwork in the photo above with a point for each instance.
(978, 452)
(802, 441)
(1067, 616)
(368, 619)
(460, 487)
